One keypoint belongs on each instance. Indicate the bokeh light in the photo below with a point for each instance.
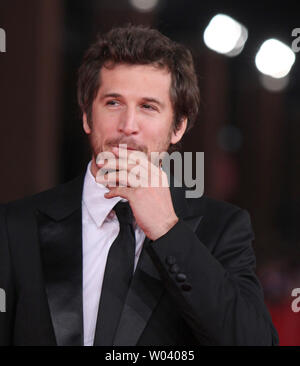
(274, 58)
(144, 5)
(225, 35)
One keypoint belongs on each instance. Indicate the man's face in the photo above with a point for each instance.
(132, 107)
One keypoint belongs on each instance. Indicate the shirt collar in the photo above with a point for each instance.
(93, 197)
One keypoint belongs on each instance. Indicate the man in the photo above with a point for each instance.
(189, 279)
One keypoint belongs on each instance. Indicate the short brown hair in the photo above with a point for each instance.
(140, 45)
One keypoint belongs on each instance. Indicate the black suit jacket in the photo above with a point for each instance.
(216, 299)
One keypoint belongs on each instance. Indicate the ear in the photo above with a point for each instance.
(177, 135)
(86, 126)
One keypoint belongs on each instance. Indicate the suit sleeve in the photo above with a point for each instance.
(6, 286)
(216, 290)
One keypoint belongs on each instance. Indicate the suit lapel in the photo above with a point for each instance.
(147, 288)
(60, 236)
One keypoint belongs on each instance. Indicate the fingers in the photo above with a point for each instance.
(121, 178)
(116, 164)
(128, 168)
(133, 156)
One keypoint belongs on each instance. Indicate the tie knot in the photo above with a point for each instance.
(124, 212)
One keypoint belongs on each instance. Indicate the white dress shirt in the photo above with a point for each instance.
(100, 227)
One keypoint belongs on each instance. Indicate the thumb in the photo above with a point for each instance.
(123, 192)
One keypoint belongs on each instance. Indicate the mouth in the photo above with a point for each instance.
(127, 147)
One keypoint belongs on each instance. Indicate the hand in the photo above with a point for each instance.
(151, 205)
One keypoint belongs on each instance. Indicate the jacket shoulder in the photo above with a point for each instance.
(218, 217)
(209, 206)
(47, 198)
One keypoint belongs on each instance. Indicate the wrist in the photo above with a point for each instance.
(167, 226)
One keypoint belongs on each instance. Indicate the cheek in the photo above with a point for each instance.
(157, 138)
(103, 123)
(162, 132)
(101, 117)
(157, 126)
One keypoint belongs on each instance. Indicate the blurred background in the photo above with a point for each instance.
(248, 126)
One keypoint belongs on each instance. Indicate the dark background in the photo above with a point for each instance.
(250, 136)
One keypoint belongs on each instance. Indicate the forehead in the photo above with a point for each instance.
(135, 80)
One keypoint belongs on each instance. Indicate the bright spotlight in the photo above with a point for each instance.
(144, 6)
(225, 35)
(274, 58)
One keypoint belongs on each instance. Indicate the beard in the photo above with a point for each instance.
(96, 146)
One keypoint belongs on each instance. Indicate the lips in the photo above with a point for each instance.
(127, 147)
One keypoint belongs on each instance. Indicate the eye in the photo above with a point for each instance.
(149, 107)
(112, 102)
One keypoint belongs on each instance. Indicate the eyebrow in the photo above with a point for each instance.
(114, 95)
(146, 99)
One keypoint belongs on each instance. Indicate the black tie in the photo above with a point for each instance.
(117, 277)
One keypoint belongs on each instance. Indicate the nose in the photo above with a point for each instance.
(128, 123)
